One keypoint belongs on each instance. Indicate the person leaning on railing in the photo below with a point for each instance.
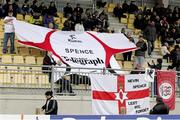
(47, 61)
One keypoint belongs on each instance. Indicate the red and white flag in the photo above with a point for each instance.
(166, 87)
(84, 49)
(113, 95)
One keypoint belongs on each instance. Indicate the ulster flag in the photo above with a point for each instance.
(127, 94)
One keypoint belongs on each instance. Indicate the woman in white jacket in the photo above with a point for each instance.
(165, 52)
(79, 27)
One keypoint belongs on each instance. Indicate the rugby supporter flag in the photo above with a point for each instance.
(166, 87)
(85, 49)
(113, 95)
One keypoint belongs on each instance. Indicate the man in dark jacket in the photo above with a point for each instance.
(118, 12)
(67, 10)
(150, 36)
(51, 106)
(47, 61)
(160, 107)
(157, 66)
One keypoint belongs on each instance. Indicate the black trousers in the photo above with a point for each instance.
(65, 85)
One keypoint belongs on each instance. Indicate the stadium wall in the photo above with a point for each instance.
(27, 104)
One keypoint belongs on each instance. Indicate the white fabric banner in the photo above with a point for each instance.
(113, 95)
(84, 49)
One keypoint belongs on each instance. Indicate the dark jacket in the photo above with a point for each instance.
(157, 66)
(143, 47)
(47, 69)
(150, 33)
(160, 108)
(48, 61)
(51, 107)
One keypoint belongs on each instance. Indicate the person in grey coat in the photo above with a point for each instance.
(140, 53)
(150, 36)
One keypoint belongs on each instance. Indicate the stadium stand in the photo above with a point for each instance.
(32, 56)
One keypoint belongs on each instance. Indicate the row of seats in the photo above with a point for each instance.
(19, 59)
(28, 18)
(28, 79)
(110, 7)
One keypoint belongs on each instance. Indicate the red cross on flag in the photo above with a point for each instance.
(126, 94)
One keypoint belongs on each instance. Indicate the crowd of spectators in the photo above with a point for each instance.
(165, 20)
(36, 10)
(158, 23)
(77, 19)
(80, 20)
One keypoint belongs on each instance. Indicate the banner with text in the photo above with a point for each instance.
(116, 117)
(127, 94)
(89, 117)
(166, 87)
(85, 49)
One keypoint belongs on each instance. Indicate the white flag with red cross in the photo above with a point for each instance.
(126, 94)
(84, 49)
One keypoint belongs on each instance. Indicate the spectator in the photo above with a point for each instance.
(64, 81)
(67, 10)
(43, 9)
(78, 10)
(138, 22)
(67, 26)
(127, 55)
(47, 62)
(51, 26)
(125, 7)
(16, 8)
(157, 66)
(74, 19)
(79, 27)
(170, 18)
(52, 9)
(173, 57)
(118, 12)
(34, 7)
(7, 7)
(173, 36)
(178, 59)
(165, 52)
(102, 23)
(140, 53)
(132, 7)
(100, 3)
(48, 18)
(150, 36)
(158, 26)
(36, 19)
(164, 22)
(51, 105)
(160, 107)
(65, 85)
(1, 12)
(9, 32)
(25, 8)
(87, 19)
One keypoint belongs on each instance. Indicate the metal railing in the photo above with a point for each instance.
(29, 79)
